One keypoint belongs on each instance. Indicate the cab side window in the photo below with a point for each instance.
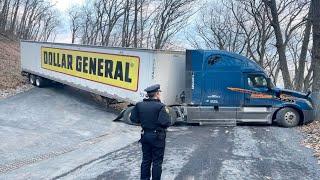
(257, 81)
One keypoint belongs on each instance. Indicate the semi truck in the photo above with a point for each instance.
(198, 86)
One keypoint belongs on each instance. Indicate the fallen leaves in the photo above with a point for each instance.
(312, 138)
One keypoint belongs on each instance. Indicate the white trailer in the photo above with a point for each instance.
(117, 73)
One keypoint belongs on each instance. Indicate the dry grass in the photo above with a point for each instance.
(10, 76)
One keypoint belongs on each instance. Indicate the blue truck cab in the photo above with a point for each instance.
(224, 87)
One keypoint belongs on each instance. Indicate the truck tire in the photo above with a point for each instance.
(126, 115)
(173, 115)
(39, 82)
(32, 79)
(288, 117)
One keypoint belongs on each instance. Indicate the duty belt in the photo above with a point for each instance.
(153, 130)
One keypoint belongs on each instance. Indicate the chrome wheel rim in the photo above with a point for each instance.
(37, 82)
(31, 80)
(290, 117)
(129, 117)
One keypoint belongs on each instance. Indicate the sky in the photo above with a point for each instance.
(64, 35)
(63, 5)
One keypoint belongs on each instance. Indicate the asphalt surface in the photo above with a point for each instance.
(61, 133)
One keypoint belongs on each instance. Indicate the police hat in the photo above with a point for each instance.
(153, 88)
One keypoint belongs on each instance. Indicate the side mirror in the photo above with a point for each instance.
(308, 92)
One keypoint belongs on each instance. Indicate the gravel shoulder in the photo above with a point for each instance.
(5, 93)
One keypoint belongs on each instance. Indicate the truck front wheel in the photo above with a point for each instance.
(288, 117)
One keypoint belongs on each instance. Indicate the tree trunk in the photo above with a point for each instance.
(141, 24)
(73, 36)
(125, 24)
(135, 34)
(279, 43)
(23, 19)
(315, 4)
(3, 15)
(303, 54)
(316, 45)
(13, 23)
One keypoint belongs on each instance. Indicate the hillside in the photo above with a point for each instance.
(11, 81)
(10, 76)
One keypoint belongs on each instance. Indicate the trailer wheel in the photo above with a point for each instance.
(288, 117)
(32, 79)
(39, 82)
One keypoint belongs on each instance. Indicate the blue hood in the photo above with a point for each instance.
(291, 93)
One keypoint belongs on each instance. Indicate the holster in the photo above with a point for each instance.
(161, 134)
(141, 135)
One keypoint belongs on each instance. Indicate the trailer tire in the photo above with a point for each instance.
(32, 79)
(287, 117)
(39, 82)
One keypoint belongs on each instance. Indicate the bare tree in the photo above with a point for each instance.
(14, 16)
(219, 29)
(316, 44)
(135, 40)
(4, 15)
(250, 23)
(125, 24)
(171, 17)
(27, 19)
(279, 43)
(75, 18)
(300, 70)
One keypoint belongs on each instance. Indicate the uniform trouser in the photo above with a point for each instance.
(153, 152)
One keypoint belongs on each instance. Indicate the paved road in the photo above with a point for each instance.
(214, 153)
(81, 142)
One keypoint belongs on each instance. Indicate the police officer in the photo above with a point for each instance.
(154, 118)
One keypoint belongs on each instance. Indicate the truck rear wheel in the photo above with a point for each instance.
(32, 79)
(288, 117)
(173, 115)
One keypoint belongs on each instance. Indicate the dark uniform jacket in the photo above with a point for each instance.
(152, 114)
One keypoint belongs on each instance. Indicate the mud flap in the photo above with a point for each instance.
(120, 116)
(124, 116)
